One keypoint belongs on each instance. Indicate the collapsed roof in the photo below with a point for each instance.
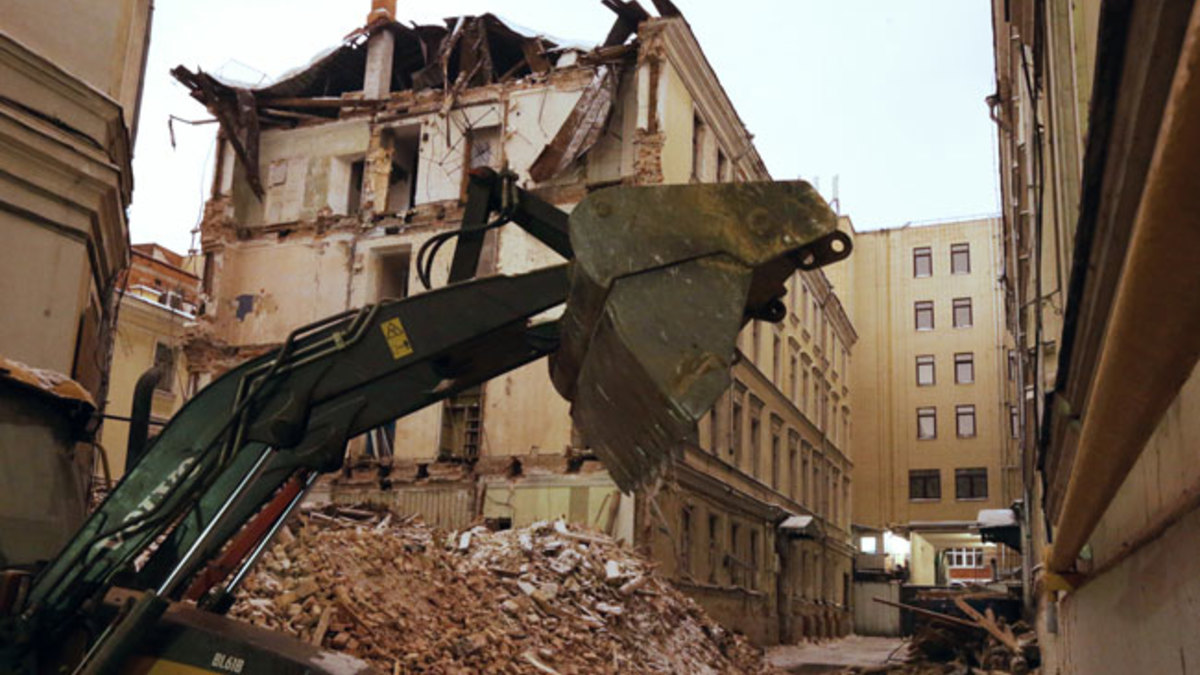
(467, 51)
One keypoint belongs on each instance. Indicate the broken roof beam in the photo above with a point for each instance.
(237, 116)
(629, 15)
(582, 128)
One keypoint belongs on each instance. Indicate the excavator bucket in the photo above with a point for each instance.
(664, 279)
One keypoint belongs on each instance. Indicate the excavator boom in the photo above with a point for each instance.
(657, 282)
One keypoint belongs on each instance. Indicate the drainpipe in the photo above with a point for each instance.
(139, 416)
(1153, 339)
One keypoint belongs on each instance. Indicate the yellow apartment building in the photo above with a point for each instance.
(934, 444)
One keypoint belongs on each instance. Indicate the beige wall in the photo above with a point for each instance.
(141, 325)
(886, 446)
(101, 43)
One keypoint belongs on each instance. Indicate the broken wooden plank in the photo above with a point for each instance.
(989, 624)
(930, 613)
(582, 128)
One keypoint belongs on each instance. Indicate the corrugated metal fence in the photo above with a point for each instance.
(873, 618)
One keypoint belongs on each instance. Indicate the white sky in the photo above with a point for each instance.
(888, 95)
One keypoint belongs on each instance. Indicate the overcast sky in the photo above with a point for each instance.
(888, 95)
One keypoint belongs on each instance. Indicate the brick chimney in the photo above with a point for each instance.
(377, 76)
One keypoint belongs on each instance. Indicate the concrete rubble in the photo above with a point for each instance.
(547, 598)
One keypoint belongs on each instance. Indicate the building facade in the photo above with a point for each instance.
(362, 157)
(1096, 105)
(70, 83)
(937, 443)
(158, 304)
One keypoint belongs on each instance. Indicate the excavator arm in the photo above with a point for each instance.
(656, 284)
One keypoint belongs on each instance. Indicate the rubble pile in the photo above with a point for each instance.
(547, 598)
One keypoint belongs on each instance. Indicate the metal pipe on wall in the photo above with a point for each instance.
(1153, 339)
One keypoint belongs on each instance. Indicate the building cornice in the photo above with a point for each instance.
(698, 76)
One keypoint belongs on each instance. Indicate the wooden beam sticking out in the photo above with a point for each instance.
(988, 623)
(937, 616)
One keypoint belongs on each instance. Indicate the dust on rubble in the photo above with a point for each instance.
(548, 598)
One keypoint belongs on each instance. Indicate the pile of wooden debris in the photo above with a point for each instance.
(548, 598)
(973, 642)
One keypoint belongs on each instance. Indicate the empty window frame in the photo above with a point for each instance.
(962, 313)
(164, 361)
(926, 423)
(964, 416)
(970, 483)
(964, 368)
(926, 371)
(922, 262)
(960, 258)
(923, 314)
(391, 273)
(924, 484)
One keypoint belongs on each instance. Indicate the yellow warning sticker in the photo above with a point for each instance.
(397, 339)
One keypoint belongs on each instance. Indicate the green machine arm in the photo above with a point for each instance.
(664, 312)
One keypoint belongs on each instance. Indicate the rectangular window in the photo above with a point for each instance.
(804, 394)
(965, 418)
(714, 527)
(735, 551)
(922, 262)
(924, 314)
(926, 375)
(1014, 420)
(964, 557)
(754, 559)
(964, 368)
(685, 539)
(776, 361)
(926, 423)
(756, 342)
(804, 476)
(804, 305)
(713, 432)
(924, 484)
(722, 167)
(793, 452)
(1012, 365)
(962, 313)
(960, 258)
(164, 361)
(699, 136)
(391, 272)
(735, 425)
(793, 366)
(775, 466)
(755, 439)
(970, 483)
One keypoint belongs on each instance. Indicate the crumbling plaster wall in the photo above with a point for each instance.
(290, 260)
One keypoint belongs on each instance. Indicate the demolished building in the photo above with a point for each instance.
(330, 180)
